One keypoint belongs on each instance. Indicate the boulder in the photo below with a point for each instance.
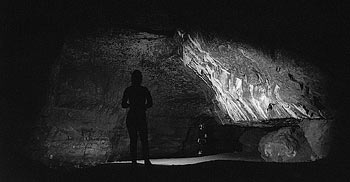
(288, 144)
(317, 133)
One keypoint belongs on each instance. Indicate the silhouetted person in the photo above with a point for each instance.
(138, 99)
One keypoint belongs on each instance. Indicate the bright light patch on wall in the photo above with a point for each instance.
(240, 98)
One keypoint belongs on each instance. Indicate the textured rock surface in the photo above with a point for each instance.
(318, 134)
(85, 121)
(253, 89)
(288, 144)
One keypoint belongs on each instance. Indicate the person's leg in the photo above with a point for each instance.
(143, 131)
(133, 141)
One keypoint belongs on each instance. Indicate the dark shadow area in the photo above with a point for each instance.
(32, 36)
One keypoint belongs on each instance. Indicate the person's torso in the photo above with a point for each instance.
(137, 98)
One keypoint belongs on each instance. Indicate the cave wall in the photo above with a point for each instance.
(252, 88)
(84, 120)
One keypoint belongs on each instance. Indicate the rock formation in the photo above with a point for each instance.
(288, 144)
(84, 120)
(253, 89)
(318, 134)
(191, 79)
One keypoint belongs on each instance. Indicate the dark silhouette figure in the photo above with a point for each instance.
(138, 99)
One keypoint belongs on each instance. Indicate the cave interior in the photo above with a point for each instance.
(265, 81)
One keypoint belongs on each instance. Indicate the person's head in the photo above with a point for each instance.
(136, 77)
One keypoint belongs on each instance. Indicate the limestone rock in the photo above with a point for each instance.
(288, 144)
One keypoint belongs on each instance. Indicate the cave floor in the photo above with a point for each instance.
(197, 169)
(237, 156)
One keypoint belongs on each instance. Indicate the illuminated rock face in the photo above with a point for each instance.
(252, 89)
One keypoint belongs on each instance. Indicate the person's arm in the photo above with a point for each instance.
(125, 103)
(149, 101)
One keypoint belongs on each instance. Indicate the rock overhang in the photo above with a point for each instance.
(252, 88)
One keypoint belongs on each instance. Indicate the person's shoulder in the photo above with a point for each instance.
(128, 88)
(145, 88)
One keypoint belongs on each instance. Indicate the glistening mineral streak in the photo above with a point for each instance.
(238, 97)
